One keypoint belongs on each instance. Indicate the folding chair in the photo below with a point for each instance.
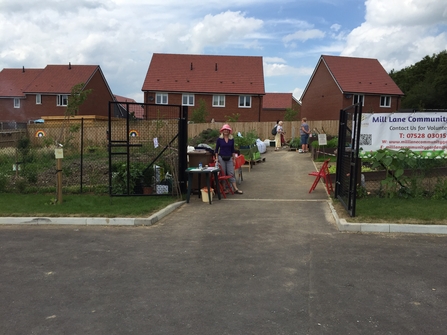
(323, 173)
(222, 178)
(238, 164)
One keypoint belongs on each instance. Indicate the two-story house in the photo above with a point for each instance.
(226, 85)
(30, 94)
(339, 82)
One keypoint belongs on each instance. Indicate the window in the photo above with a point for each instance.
(16, 103)
(385, 101)
(359, 98)
(245, 101)
(62, 100)
(161, 98)
(188, 100)
(218, 100)
(38, 99)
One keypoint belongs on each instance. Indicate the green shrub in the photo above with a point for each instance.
(247, 139)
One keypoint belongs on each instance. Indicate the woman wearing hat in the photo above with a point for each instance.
(225, 154)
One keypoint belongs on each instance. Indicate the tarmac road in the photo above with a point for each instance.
(270, 261)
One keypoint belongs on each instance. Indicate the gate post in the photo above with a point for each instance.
(182, 147)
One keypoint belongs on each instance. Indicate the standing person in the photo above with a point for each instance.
(304, 134)
(279, 132)
(225, 154)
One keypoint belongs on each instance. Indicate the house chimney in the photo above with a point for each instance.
(191, 66)
(69, 65)
(23, 69)
(215, 68)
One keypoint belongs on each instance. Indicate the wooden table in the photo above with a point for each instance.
(207, 172)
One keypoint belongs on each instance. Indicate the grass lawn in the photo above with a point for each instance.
(396, 210)
(85, 205)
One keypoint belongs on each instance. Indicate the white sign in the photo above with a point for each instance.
(415, 131)
(59, 153)
(322, 139)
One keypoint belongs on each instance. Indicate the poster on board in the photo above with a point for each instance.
(425, 133)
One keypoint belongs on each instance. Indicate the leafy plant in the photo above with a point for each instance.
(295, 143)
(247, 139)
(119, 178)
(394, 163)
(200, 113)
(233, 117)
(76, 99)
(291, 114)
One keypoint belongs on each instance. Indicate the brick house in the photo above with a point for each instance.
(275, 105)
(136, 110)
(30, 94)
(339, 82)
(228, 85)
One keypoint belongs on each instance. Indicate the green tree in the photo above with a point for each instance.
(200, 113)
(291, 115)
(233, 117)
(424, 83)
(76, 99)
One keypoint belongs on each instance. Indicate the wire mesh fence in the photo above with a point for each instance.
(28, 163)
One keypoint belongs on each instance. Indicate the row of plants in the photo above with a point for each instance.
(405, 175)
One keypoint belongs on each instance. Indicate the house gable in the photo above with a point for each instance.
(48, 83)
(337, 80)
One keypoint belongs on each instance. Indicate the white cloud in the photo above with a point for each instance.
(335, 27)
(223, 28)
(304, 35)
(297, 92)
(399, 33)
(273, 69)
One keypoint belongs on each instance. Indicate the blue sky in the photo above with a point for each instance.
(122, 35)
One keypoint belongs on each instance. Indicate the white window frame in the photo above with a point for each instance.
(218, 100)
(188, 99)
(16, 103)
(245, 101)
(62, 100)
(385, 101)
(38, 99)
(358, 97)
(161, 98)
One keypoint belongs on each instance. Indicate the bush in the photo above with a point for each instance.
(295, 143)
(247, 139)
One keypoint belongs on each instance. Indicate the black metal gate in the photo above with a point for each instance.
(147, 149)
(348, 161)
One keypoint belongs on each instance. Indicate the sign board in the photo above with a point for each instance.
(421, 132)
(59, 153)
(322, 139)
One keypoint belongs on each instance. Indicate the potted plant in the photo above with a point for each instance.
(148, 179)
(295, 144)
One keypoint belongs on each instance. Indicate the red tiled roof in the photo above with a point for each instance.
(60, 79)
(360, 75)
(277, 100)
(13, 82)
(137, 109)
(205, 74)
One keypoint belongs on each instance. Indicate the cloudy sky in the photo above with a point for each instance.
(122, 35)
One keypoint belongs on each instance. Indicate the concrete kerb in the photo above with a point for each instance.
(86, 221)
(343, 225)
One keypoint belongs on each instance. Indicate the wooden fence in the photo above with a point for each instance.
(264, 129)
(95, 133)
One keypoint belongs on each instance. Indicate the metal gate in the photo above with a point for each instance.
(147, 147)
(348, 161)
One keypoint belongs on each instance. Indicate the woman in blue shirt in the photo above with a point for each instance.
(225, 154)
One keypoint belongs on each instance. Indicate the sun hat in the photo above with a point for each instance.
(226, 127)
